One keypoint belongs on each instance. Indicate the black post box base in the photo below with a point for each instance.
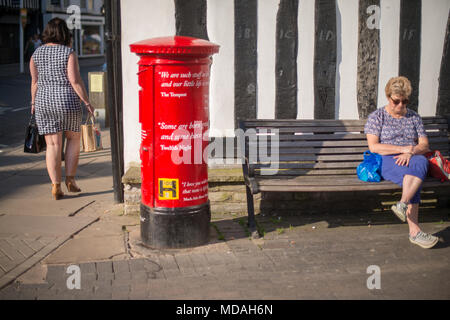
(169, 228)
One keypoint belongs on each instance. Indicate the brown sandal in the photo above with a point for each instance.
(71, 185)
(56, 191)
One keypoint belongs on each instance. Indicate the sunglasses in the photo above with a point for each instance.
(397, 101)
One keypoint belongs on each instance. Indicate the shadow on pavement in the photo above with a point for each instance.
(16, 179)
(85, 194)
(279, 225)
(444, 238)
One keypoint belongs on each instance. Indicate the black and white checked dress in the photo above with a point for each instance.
(57, 106)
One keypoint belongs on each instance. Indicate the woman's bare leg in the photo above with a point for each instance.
(53, 156)
(72, 152)
(412, 216)
(410, 186)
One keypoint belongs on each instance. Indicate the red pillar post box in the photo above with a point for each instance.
(174, 116)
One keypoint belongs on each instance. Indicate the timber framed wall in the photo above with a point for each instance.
(300, 59)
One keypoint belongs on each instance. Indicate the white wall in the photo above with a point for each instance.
(267, 17)
(389, 45)
(347, 59)
(305, 60)
(220, 24)
(434, 22)
(143, 19)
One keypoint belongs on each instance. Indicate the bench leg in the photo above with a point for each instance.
(251, 214)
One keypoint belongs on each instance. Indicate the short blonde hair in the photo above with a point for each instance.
(399, 86)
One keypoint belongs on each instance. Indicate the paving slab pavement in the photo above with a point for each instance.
(301, 263)
(26, 240)
(32, 224)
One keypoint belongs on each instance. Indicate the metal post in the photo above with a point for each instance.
(114, 76)
(102, 44)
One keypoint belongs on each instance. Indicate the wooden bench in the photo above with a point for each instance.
(316, 156)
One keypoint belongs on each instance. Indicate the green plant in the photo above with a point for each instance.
(243, 224)
(275, 220)
(220, 235)
(261, 230)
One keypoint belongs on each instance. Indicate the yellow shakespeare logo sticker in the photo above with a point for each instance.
(168, 189)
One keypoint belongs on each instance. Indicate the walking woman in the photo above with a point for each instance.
(56, 90)
(397, 133)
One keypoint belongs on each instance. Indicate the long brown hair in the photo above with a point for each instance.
(56, 31)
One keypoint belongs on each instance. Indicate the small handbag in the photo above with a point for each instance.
(439, 167)
(34, 142)
(370, 169)
(90, 135)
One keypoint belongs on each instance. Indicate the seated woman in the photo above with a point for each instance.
(398, 135)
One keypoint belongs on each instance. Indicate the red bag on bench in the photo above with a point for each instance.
(439, 167)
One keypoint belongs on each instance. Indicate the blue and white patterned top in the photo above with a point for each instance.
(404, 131)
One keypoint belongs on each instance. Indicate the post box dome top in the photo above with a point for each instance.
(178, 45)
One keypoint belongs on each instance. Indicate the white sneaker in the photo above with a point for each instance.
(424, 240)
(400, 210)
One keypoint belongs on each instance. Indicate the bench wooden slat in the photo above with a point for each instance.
(358, 150)
(354, 152)
(335, 144)
(343, 136)
(338, 136)
(356, 127)
(441, 147)
(349, 143)
(312, 157)
(308, 172)
(439, 139)
(312, 172)
(260, 123)
(439, 144)
(300, 131)
(334, 188)
(427, 124)
(313, 165)
(440, 126)
(436, 134)
(440, 129)
(426, 120)
(358, 146)
(251, 123)
(436, 143)
(341, 182)
(305, 168)
(320, 129)
(340, 179)
(322, 134)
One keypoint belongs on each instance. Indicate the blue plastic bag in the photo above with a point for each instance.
(370, 169)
